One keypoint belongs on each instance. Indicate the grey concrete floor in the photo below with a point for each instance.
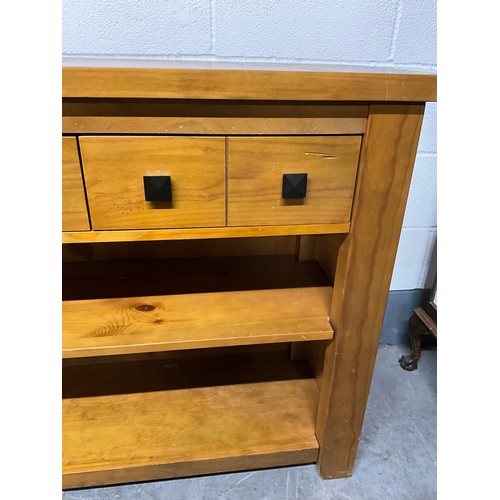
(396, 457)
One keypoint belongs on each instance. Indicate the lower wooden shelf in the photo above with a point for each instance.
(145, 420)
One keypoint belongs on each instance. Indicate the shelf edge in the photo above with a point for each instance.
(200, 233)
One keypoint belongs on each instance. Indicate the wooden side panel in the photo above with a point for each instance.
(255, 178)
(306, 247)
(328, 249)
(74, 206)
(324, 248)
(362, 281)
(314, 353)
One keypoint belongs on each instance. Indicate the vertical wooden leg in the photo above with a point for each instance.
(362, 279)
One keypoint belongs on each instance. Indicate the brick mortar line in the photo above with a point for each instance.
(212, 26)
(395, 29)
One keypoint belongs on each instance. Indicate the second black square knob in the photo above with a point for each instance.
(294, 186)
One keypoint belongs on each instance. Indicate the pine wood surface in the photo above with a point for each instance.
(362, 280)
(125, 422)
(202, 233)
(256, 166)
(197, 415)
(114, 168)
(278, 82)
(212, 117)
(74, 206)
(126, 278)
(155, 323)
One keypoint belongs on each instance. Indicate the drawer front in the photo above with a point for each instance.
(256, 183)
(74, 206)
(191, 169)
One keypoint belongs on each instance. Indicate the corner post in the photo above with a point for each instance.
(362, 280)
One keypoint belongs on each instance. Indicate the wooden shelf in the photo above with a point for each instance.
(101, 327)
(192, 304)
(153, 420)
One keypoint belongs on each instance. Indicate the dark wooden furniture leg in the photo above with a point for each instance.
(419, 324)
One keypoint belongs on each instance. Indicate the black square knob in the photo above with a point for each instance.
(157, 188)
(294, 186)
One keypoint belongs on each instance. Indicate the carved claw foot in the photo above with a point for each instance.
(408, 363)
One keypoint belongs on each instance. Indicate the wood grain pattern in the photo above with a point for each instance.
(129, 422)
(74, 206)
(187, 83)
(255, 172)
(213, 117)
(251, 460)
(159, 410)
(213, 232)
(362, 281)
(114, 168)
(193, 321)
(210, 126)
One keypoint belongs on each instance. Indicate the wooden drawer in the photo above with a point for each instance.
(74, 206)
(256, 166)
(115, 168)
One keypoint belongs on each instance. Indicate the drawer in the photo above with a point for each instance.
(119, 197)
(74, 206)
(257, 179)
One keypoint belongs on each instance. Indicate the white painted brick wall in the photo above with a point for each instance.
(390, 33)
(136, 28)
(304, 30)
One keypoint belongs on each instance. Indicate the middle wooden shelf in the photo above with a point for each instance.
(128, 307)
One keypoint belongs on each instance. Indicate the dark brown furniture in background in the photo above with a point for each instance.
(423, 321)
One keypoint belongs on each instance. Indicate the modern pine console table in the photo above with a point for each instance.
(229, 235)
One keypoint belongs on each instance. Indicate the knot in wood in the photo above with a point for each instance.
(144, 307)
